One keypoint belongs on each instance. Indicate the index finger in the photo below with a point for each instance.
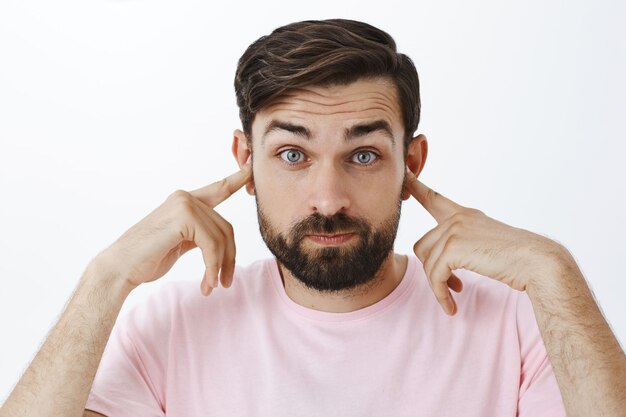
(436, 204)
(213, 194)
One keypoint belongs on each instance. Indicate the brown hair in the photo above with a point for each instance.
(319, 53)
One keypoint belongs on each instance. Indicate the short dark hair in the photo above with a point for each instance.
(323, 53)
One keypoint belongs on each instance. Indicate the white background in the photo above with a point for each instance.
(106, 107)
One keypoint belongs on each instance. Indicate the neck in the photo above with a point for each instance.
(388, 277)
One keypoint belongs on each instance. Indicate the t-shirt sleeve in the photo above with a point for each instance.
(130, 378)
(539, 394)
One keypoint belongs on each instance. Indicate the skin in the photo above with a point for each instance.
(58, 380)
(328, 177)
(588, 362)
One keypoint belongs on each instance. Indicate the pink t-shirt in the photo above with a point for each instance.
(252, 351)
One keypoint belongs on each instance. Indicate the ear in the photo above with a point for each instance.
(416, 158)
(242, 153)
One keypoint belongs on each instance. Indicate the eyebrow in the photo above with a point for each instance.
(349, 134)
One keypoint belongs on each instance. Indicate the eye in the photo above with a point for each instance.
(364, 157)
(291, 156)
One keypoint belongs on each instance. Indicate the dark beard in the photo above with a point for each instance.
(333, 268)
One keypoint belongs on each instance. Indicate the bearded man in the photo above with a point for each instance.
(336, 323)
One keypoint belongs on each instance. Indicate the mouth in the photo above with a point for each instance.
(326, 240)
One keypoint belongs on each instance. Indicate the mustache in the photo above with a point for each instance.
(335, 224)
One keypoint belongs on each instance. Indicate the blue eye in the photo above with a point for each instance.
(294, 156)
(365, 157)
(290, 156)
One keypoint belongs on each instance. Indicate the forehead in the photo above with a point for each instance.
(362, 100)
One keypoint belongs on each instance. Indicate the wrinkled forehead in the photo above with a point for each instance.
(361, 101)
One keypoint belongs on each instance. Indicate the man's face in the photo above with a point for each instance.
(328, 172)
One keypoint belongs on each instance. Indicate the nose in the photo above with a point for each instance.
(329, 191)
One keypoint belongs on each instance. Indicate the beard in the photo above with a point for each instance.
(332, 268)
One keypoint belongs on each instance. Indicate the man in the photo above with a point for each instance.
(337, 324)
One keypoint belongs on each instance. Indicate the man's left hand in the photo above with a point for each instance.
(467, 238)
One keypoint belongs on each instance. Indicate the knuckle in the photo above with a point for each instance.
(440, 293)
(448, 250)
(431, 195)
(441, 296)
(418, 249)
(212, 265)
(186, 207)
(451, 242)
(220, 232)
(182, 200)
(212, 255)
(207, 246)
(213, 247)
(428, 268)
(225, 228)
(458, 217)
(179, 195)
(455, 228)
(222, 185)
(230, 229)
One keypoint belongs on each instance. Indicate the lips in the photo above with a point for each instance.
(334, 235)
(331, 239)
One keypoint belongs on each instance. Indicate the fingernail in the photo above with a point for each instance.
(249, 160)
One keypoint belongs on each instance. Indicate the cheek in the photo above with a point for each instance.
(380, 199)
(274, 187)
(278, 197)
(380, 203)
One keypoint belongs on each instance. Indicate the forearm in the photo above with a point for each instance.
(588, 362)
(58, 380)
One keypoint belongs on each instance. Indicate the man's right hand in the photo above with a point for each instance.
(186, 220)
